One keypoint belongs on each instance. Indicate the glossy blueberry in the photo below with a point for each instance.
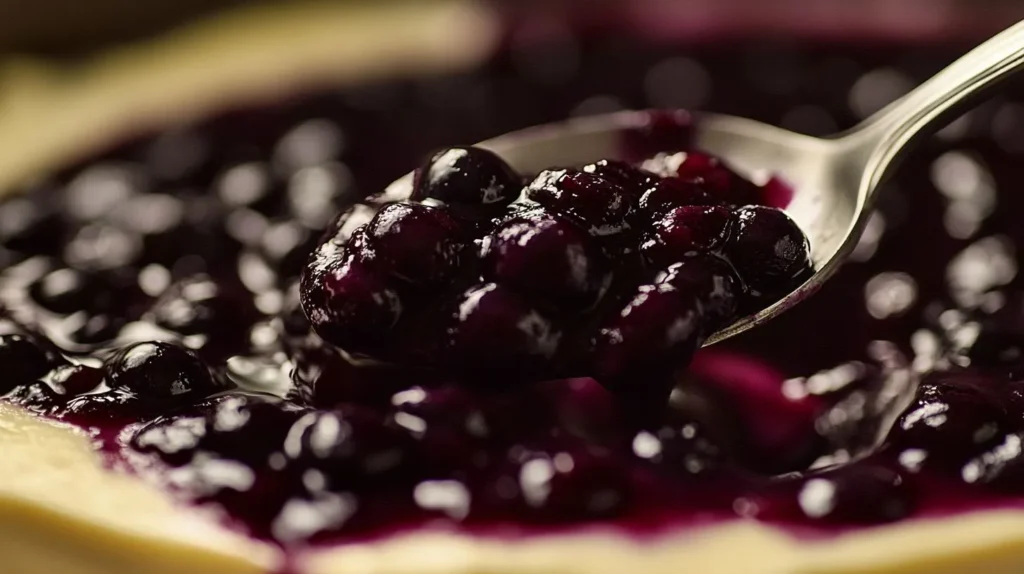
(415, 243)
(777, 430)
(63, 291)
(667, 194)
(348, 303)
(22, 361)
(598, 205)
(353, 448)
(953, 416)
(546, 258)
(468, 176)
(494, 329)
(1000, 467)
(249, 428)
(655, 333)
(200, 305)
(712, 280)
(719, 181)
(160, 373)
(684, 231)
(632, 179)
(769, 252)
(449, 424)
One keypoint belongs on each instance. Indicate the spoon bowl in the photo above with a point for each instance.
(835, 179)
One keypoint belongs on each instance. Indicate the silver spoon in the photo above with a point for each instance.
(835, 179)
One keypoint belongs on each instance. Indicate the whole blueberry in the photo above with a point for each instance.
(352, 447)
(636, 349)
(712, 280)
(721, 183)
(1001, 467)
(348, 303)
(201, 305)
(667, 194)
(466, 175)
(546, 258)
(415, 243)
(769, 252)
(448, 424)
(22, 361)
(249, 428)
(953, 417)
(684, 231)
(596, 204)
(160, 373)
(492, 329)
(64, 291)
(632, 179)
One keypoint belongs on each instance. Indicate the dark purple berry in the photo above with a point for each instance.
(494, 329)
(449, 425)
(714, 283)
(249, 428)
(769, 252)
(468, 176)
(352, 448)
(160, 373)
(953, 417)
(598, 205)
(546, 258)
(416, 243)
(779, 430)
(199, 305)
(685, 231)
(64, 291)
(720, 182)
(1001, 467)
(632, 179)
(347, 303)
(636, 350)
(667, 194)
(22, 361)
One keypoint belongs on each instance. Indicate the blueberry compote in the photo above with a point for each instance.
(508, 350)
(610, 271)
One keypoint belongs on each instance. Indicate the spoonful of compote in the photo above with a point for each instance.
(613, 246)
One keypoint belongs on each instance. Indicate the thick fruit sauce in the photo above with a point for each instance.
(518, 352)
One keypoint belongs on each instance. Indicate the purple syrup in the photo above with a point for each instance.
(378, 448)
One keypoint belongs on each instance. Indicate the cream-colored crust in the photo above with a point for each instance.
(62, 511)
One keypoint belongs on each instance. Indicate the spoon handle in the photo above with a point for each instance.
(879, 141)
